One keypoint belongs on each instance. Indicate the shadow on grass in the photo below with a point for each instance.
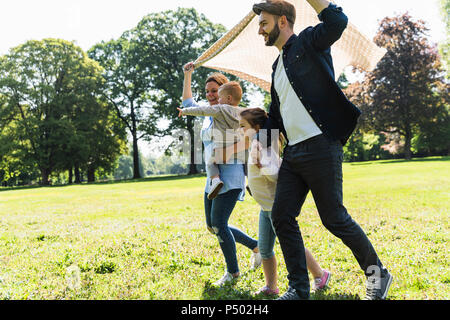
(229, 292)
(149, 179)
(19, 188)
(226, 292)
(324, 295)
(430, 159)
(184, 177)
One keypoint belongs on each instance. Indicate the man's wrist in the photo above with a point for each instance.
(319, 5)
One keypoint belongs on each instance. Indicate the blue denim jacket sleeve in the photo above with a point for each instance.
(189, 103)
(334, 22)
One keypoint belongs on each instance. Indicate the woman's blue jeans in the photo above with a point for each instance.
(218, 212)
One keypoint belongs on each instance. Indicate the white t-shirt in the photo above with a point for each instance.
(296, 120)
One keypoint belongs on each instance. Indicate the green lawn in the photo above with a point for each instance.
(147, 239)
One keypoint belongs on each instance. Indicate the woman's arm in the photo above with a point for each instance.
(188, 68)
(222, 155)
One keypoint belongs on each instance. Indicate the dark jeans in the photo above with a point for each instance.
(316, 165)
(217, 213)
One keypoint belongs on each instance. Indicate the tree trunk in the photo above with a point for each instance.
(45, 173)
(192, 165)
(192, 169)
(77, 174)
(91, 174)
(136, 167)
(70, 175)
(134, 132)
(408, 137)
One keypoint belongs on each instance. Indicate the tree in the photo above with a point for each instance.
(445, 47)
(43, 84)
(169, 40)
(363, 145)
(124, 168)
(100, 138)
(127, 86)
(405, 90)
(433, 136)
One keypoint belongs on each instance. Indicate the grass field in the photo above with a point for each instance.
(147, 239)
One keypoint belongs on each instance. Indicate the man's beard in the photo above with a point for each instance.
(273, 36)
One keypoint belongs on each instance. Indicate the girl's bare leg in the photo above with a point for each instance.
(313, 265)
(270, 272)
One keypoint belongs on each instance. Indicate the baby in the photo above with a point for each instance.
(225, 127)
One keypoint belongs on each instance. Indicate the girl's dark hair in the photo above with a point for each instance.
(255, 117)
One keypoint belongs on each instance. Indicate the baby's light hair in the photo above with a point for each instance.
(234, 89)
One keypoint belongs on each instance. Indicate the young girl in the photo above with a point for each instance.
(262, 180)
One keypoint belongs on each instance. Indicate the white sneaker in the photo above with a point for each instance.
(255, 260)
(227, 278)
(216, 185)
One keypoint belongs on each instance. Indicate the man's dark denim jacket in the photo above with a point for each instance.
(309, 68)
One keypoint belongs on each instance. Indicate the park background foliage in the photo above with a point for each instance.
(68, 116)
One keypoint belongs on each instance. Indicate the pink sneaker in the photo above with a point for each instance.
(321, 283)
(268, 292)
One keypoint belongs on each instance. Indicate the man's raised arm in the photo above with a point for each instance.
(319, 5)
(334, 22)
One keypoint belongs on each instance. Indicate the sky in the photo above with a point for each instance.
(88, 22)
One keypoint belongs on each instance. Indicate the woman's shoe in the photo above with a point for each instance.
(227, 278)
(255, 260)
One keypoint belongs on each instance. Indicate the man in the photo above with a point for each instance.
(317, 119)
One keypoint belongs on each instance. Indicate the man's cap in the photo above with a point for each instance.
(276, 7)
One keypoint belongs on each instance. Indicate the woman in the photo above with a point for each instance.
(219, 209)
